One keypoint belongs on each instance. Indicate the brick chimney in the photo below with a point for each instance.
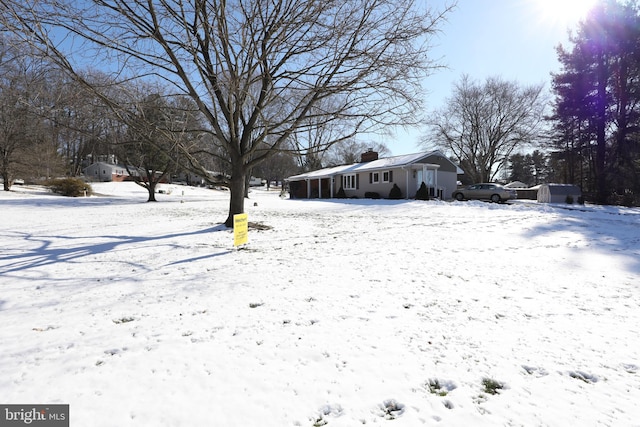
(369, 156)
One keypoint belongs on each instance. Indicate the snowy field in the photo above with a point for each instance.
(342, 313)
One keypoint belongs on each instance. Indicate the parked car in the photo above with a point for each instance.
(485, 191)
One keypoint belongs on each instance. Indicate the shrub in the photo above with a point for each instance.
(395, 193)
(569, 200)
(341, 194)
(371, 195)
(423, 192)
(627, 199)
(71, 187)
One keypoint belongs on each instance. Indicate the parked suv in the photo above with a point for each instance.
(485, 191)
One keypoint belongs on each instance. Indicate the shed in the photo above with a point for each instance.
(558, 193)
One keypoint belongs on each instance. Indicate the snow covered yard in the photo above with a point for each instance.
(343, 313)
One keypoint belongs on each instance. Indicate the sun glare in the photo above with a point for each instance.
(562, 12)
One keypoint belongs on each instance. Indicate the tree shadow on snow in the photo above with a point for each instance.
(48, 253)
(610, 230)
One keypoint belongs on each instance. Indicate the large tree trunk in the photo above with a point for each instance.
(236, 187)
(152, 191)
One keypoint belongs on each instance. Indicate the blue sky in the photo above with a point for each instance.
(514, 39)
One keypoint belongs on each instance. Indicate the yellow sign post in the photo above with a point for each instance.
(240, 229)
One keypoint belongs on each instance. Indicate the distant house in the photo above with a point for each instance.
(523, 190)
(375, 177)
(103, 171)
(190, 178)
(516, 185)
(559, 193)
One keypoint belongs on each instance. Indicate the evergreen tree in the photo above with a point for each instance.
(597, 108)
(520, 169)
(423, 192)
(395, 193)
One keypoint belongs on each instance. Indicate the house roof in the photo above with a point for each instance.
(322, 173)
(516, 184)
(113, 167)
(562, 189)
(379, 164)
(105, 165)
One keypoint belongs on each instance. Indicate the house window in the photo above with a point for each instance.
(374, 177)
(350, 182)
(387, 176)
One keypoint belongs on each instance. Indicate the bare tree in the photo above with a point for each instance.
(257, 69)
(84, 125)
(482, 125)
(320, 135)
(350, 151)
(146, 148)
(21, 86)
(277, 168)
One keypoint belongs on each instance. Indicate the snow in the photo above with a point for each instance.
(344, 313)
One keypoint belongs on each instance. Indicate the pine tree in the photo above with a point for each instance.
(395, 193)
(597, 108)
(423, 192)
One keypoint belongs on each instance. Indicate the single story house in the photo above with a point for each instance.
(190, 178)
(102, 171)
(375, 177)
(559, 193)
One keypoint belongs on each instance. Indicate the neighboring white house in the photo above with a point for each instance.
(190, 178)
(376, 177)
(102, 171)
(516, 184)
(559, 193)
